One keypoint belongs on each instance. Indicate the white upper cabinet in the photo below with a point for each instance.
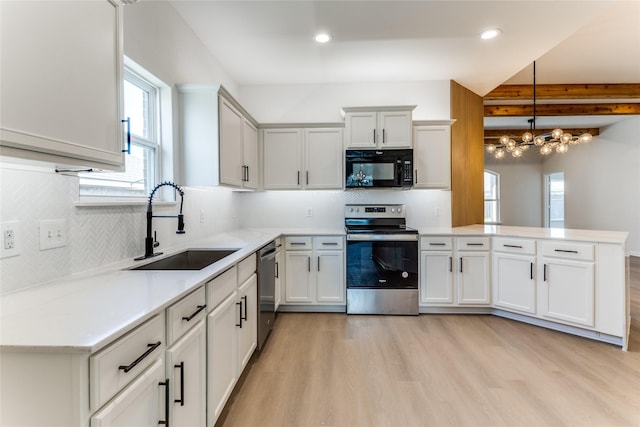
(432, 156)
(303, 158)
(324, 158)
(219, 139)
(378, 127)
(61, 79)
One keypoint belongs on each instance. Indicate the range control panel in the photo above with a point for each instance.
(374, 211)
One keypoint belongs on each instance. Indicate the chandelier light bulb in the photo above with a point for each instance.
(491, 148)
(539, 141)
(527, 136)
(524, 147)
(586, 137)
(517, 152)
(511, 144)
(499, 153)
(504, 139)
(556, 133)
(546, 150)
(566, 138)
(562, 148)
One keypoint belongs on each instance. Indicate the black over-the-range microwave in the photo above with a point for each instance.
(379, 168)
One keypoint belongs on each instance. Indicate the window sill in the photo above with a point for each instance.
(121, 202)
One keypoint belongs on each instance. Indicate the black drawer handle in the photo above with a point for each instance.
(460, 264)
(450, 264)
(513, 246)
(531, 275)
(195, 313)
(298, 243)
(277, 271)
(330, 243)
(152, 347)
(544, 274)
(437, 244)
(475, 244)
(566, 251)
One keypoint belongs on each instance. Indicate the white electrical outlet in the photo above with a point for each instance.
(10, 239)
(53, 233)
(436, 212)
(201, 215)
(309, 211)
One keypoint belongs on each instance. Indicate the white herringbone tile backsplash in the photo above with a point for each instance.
(97, 236)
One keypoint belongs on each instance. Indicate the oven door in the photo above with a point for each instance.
(382, 261)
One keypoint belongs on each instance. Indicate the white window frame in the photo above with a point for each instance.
(497, 199)
(159, 137)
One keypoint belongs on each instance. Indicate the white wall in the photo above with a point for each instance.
(287, 209)
(322, 102)
(521, 189)
(602, 182)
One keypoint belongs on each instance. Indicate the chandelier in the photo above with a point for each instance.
(557, 140)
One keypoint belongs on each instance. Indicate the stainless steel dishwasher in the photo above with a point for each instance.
(266, 291)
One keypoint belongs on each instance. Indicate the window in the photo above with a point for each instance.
(491, 197)
(141, 106)
(554, 200)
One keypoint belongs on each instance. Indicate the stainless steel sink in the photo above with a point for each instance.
(191, 259)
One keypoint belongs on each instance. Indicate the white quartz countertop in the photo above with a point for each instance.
(86, 312)
(596, 236)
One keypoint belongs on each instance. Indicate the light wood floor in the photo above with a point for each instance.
(436, 370)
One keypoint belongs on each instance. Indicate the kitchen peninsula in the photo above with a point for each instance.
(72, 343)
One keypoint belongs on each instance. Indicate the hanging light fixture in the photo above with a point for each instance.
(558, 140)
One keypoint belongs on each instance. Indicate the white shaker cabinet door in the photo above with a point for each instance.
(231, 135)
(330, 276)
(140, 404)
(61, 79)
(282, 159)
(324, 158)
(248, 332)
(514, 284)
(436, 274)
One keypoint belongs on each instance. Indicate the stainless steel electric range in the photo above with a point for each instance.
(382, 260)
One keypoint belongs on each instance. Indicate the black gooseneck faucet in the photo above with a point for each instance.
(149, 241)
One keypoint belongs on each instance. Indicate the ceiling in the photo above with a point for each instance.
(271, 42)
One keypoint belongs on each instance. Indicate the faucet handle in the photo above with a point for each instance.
(180, 229)
(155, 239)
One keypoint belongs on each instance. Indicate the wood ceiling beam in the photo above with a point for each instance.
(491, 134)
(565, 91)
(604, 109)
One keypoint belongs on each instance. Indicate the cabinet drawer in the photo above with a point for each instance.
(115, 366)
(472, 244)
(328, 242)
(246, 268)
(436, 243)
(221, 287)
(184, 314)
(297, 242)
(514, 245)
(568, 250)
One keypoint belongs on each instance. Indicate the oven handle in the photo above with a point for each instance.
(387, 237)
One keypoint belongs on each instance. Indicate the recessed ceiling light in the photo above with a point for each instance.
(489, 34)
(323, 37)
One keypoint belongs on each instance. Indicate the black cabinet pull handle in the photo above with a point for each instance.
(307, 177)
(298, 177)
(195, 313)
(437, 244)
(374, 136)
(165, 384)
(277, 271)
(566, 251)
(245, 307)
(309, 264)
(513, 246)
(181, 367)
(383, 141)
(330, 243)
(450, 264)
(416, 177)
(247, 173)
(128, 122)
(151, 348)
(531, 276)
(544, 275)
(318, 263)
(298, 243)
(240, 314)
(475, 244)
(460, 264)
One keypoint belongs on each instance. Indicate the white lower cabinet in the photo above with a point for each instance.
(514, 275)
(231, 332)
(142, 403)
(436, 284)
(314, 270)
(472, 276)
(186, 370)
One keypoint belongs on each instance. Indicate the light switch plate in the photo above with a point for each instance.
(53, 233)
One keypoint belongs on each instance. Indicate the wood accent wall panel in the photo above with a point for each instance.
(467, 157)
